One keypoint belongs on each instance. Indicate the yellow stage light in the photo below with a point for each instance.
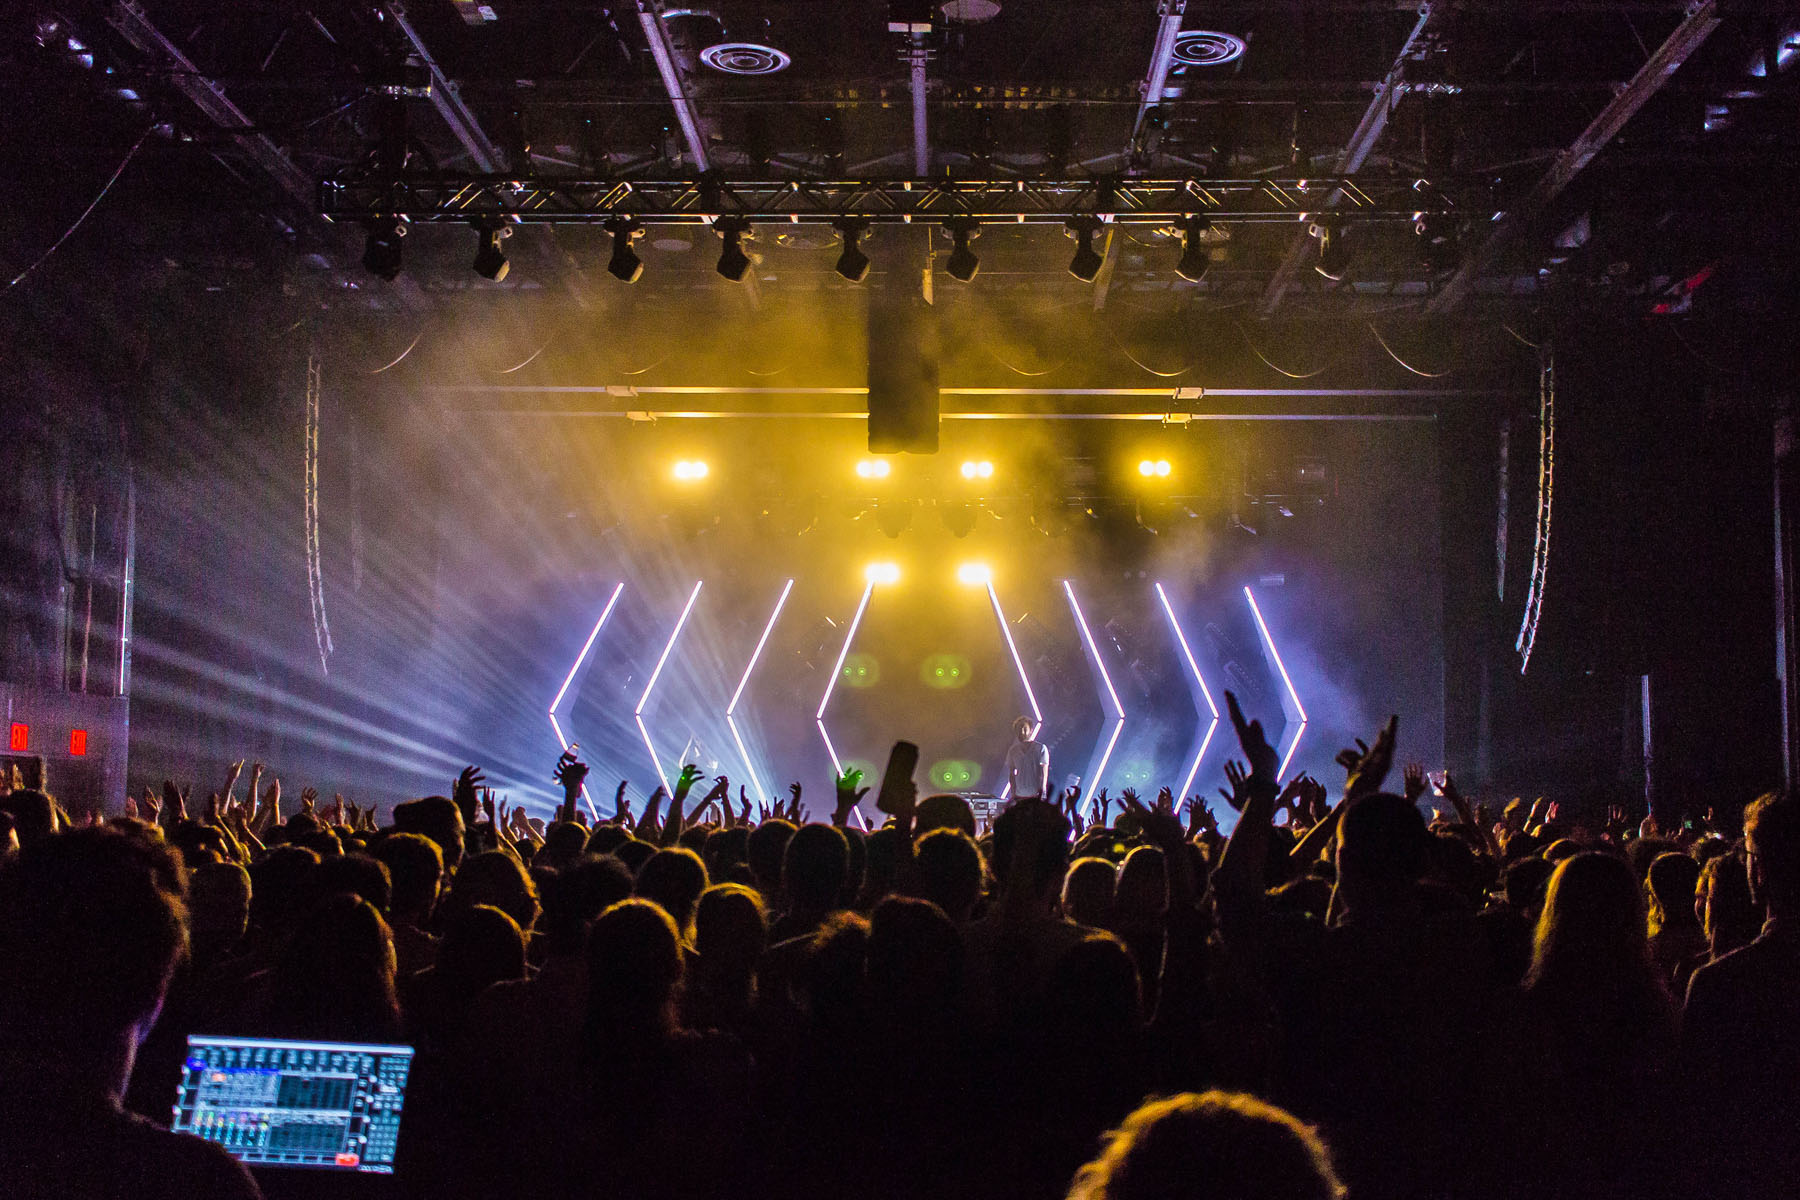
(978, 469)
(874, 468)
(1151, 468)
(974, 574)
(882, 572)
(688, 470)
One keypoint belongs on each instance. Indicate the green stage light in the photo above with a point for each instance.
(955, 774)
(944, 671)
(860, 671)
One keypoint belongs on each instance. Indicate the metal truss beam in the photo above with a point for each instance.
(888, 201)
(1356, 152)
(447, 99)
(650, 18)
(1162, 57)
(1695, 28)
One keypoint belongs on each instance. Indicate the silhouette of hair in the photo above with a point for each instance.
(833, 974)
(1672, 880)
(634, 854)
(915, 962)
(1212, 1146)
(730, 928)
(766, 849)
(494, 877)
(674, 877)
(360, 875)
(219, 904)
(1560, 849)
(944, 811)
(1046, 871)
(415, 869)
(438, 818)
(1730, 916)
(33, 814)
(634, 968)
(1526, 881)
(1093, 991)
(1142, 890)
(881, 864)
(948, 871)
(576, 896)
(1772, 836)
(564, 842)
(481, 946)
(1087, 895)
(725, 849)
(814, 868)
(606, 839)
(335, 976)
(282, 888)
(1382, 841)
(1593, 930)
(92, 923)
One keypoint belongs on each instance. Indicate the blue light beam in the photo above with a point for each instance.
(637, 714)
(731, 709)
(1187, 655)
(568, 679)
(1087, 637)
(862, 606)
(1293, 695)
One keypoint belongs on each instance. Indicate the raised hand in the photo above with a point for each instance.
(131, 808)
(231, 778)
(1201, 819)
(1165, 801)
(488, 808)
(1413, 776)
(465, 792)
(1071, 801)
(793, 804)
(621, 806)
(1264, 762)
(684, 782)
(1238, 778)
(309, 801)
(744, 799)
(571, 772)
(174, 805)
(848, 795)
(271, 809)
(1101, 803)
(1368, 771)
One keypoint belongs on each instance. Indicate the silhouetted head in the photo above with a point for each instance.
(725, 849)
(33, 813)
(1093, 991)
(944, 811)
(915, 961)
(814, 868)
(481, 946)
(438, 818)
(766, 849)
(1142, 892)
(576, 896)
(634, 854)
(415, 870)
(1672, 882)
(335, 977)
(1212, 1146)
(360, 875)
(634, 968)
(1722, 901)
(219, 905)
(494, 877)
(834, 974)
(1024, 728)
(1772, 840)
(949, 870)
(1383, 846)
(564, 842)
(730, 929)
(1525, 884)
(674, 878)
(92, 924)
(881, 861)
(606, 839)
(1593, 926)
(283, 889)
(1041, 826)
(1087, 895)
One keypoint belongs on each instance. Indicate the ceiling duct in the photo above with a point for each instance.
(700, 35)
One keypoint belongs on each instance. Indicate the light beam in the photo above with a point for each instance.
(1293, 695)
(568, 679)
(637, 713)
(1187, 655)
(1087, 636)
(862, 606)
(731, 709)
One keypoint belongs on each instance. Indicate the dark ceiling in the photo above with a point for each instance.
(1696, 187)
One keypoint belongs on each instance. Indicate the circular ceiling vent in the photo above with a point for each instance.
(1204, 48)
(745, 58)
(971, 11)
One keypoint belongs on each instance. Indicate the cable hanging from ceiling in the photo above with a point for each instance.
(1415, 370)
(1540, 545)
(411, 346)
(1245, 334)
(85, 213)
(315, 562)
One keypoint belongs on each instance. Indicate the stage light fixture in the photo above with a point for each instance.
(490, 259)
(382, 249)
(1334, 250)
(978, 469)
(874, 468)
(1087, 262)
(1194, 257)
(852, 264)
(688, 470)
(974, 574)
(882, 573)
(734, 263)
(1154, 468)
(962, 263)
(625, 265)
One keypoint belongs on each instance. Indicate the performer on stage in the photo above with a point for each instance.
(1028, 762)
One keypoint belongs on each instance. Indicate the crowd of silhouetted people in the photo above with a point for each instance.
(1389, 994)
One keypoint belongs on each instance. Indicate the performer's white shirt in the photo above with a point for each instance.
(1028, 768)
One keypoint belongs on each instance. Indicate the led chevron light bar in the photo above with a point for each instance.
(568, 679)
(1087, 636)
(1012, 648)
(1187, 655)
(1293, 695)
(637, 714)
(731, 709)
(862, 606)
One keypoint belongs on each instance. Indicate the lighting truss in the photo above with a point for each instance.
(541, 200)
(1275, 655)
(1187, 655)
(1540, 544)
(731, 709)
(568, 679)
(1087, 637)
(644, 701)
(862, 606)
(1012, 648)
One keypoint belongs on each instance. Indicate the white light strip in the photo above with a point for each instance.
(644, 700)
(564, 743)
(836, 766)
(731, 709)
(844, 653)
(1093, 784)
(1006, 632)
(586, 646)
(1188, 654)
(1293, 695)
